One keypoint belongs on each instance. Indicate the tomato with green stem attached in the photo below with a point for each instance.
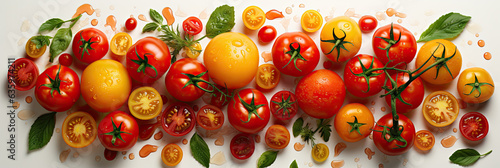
(359, 77)
(295, 54)
(394, 44)
(475, 85)
(57, 88)
(435, 50)
(147, 60)
(284, 105)
(340, 39)
(118, 131)
(408, 98)
(90, 45)
(394, 145)
(184, 80)
(354, 122)
(248, 111)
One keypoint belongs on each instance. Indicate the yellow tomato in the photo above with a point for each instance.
(231, 59)
(268, 76)
(439, 74)
(354, 122)
(195, 52)
(120, 43)
(311, 21)
(440, 108)
(320, 152)
(253, 17)
(145, 103)
(475, 85)
(105, 85)
(32, 51)
(344, 32)
(79, 129)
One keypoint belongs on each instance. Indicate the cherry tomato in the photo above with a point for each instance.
(267, 76)
(130, 24)
(171, 155)
(192, 25)
(277, 137)
(413, 94)
(340, 39)
(391, 147)
(147, 60)
(66, 59)
(424, 140)
(284, 105)
(217, 98)
(210, 117)
(440, 108)
(248, 111)
(90, 45)
(23, 74)
(355, 79)
(433, 51)
(193, 51)
(401, 52)
(354, 122)
(320, 152)
(32, 51)
(474, 126)
(311, 21)
(57, 88)
(145, 103)
(267, 34)
(242, 146)
(120, 43)
(79, 129)
(367, 23)
(177, 79)
(253, 17)
(475, 85)
(178, 119)
(295, 54)
(118, 131)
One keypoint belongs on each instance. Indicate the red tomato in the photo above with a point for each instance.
(66, 59)
(177, 78)
(90, 45)
(130, 24)
(277, 137)
(356, 80)
(192, 25)
(367, 23)
(403, 48)
(391, 148)
(23, 74)
(474, 126)
(248, 111)
(242, 146)
(321, 93)
(118, 131)
(295, 54)
(284, 105)
(267, 34)
(217, 98)
(210, 117)
(147, 60)
(178, 119)
(57, 88)
(413, 94)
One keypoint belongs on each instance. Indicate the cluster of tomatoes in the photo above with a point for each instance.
(231, 61)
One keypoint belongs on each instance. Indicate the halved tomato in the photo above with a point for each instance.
(268, 76)
(253, 17)
(32, 51)
(178, 119)
(320, 152)
(440, 108)
(277, 137)
(23, 74)
(424, 140)
(120, 43)
(210, 117)
(79, 129)
(311, 21)
(474, 126)
(171, 154)
(193, 51)
(145, 103)
(242, 146)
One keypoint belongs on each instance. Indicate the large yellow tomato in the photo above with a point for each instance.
(105, 85)
(340, 39)
(433, 51)
(231, 60)
(475, 85)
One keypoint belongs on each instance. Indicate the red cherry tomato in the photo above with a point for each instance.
(242, 146)
(130, 24)
(57, 88)
(413, 93)
(367, 23)
(391, 148)
(357, 85)
(192, 25)
(248, 111)
(176, 79)
(118, 131)
(66, 59)
(284, 105)
(474, 126)
(178, 119)
(23, 74)
(90, 45)
(267, 34)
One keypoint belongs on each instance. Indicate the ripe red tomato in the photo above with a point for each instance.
(321, 93)
(391, 148)
(130, 24)
(210, 117)
(90, 45)
(277, 137)
(474, 126)
(242, 146)
(147, 60)
(367, 23)
(177, 78)
(401, 52)
(66, 59)
(248, 111)
(217, 98)
(295, 54)
(23, 74)
(192, 25)
(57, 88)
(178, 119)
(118, 131)
(284, 105)
(357, 84)
(413, 94)
(267, 34)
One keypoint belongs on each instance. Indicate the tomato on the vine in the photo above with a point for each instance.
(354, 122)
(268, 76)
(367, 23)
(311, 21)
(145, 103)
(284, 105)
(66, 59)
(475, 85)
(413, 94)
(192, 25)
(295, 54)
(57, 88)
(242, 146)
(148, 59)
(340, 39)
(267, 34)
(394, 43)
(130, 24)
(23, 74)
(90, 45)
(118, 131)
(171, 155)
(440, 108)
(474, 126)
(79, 129)
(253, 17)
(178, 119)
(424, 140)
(434, 51)
(359, 81)
(217, 98)
(183, 80)
(210, 117)
(248, 111)
(277, 137)
(388, 144)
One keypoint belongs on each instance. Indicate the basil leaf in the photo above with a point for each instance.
(150, 27)
(446, 27)
(41, 131)
(155, 16)
(41, 41)
(60, 42)
(74, 20)
(199, 149)
(466, 157)
(267, 158)
(220, 21)
(50, 25)
(294, 164)
(297, 127)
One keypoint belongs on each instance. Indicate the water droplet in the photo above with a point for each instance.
(109, 82)
(237, 43)
(94, 97)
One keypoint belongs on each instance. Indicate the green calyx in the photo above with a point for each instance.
(339, 43)
(54, 83)
(442, 63)
(195, 79)
(86, 45)
(355, 125)
(295, 55)
(390, 41)
(476, 86)
(285, 105)
(366, 73)
(143, 63)
(116, 133)
(251, 108)
(393, 135)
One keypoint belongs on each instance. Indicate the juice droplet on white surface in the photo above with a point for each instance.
(58, 130)
(25, 26)
(477, 35)
(296, 18)
(147, 149)
(111, 7)
(285, 22)
(219, 141)
(455, 130)
(481, 43)
(487, 55)
(339, 148)
(351, 12)
(64, 155)
(97, 158)
(111, 21)
(288, 10)
(449, 141)
(184, 141)
(274, 14)
(400, 21)
(380, 165)
(338, 163)
(310, 164)
(469, 42)
(124, 152)
(356, 159)
(257, 138)
(85, 8)
(267, 56)
(302, 6)
(16, 105)
(400, 15)
(473, 28)
(405, 161)
(180, 13)
(26, 114)
(168, 14)
(94, 22)
(218, 159)
(390, 12)
(380, 16)
(203, 14)
(29, 99)
(383, 109)
(131, 156)
(75, 154)
(98, 12)
(158, 135)
(142, 17)
(298, 146)
(369, 153)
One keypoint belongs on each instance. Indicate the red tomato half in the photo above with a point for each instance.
(355, 79)
(277, 137)
(147, 60)
(90, 45)
(192, 25)
(210, 117)
(295, 54)
(391, 148)
(413, 94)
(474, 126)
(178, 119)
(402, 52)
(57, 88)
(176, 79)
(118, 131)
(242, 146)
(284, 105)
(23, 74)
(248, 111)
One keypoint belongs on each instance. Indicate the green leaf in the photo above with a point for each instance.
(294, 164)
(324, 129)
(220, 21)
(199, 149)
(50, 25)
(466, 157)
(297, 127)
(446, 27)
(150, 27)
(41, 41)
(41, 131)
(155, 16)
(267, 158)
(60, 42)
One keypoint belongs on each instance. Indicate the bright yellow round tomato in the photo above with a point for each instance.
(433, 51)
(320, 152)
(475, 85)
(105, 85)
(120, 43)
(344, 31)
(440, 108)
(253, 17)
(231, 59)
(145, 103)
(311, 21)
(354, 122)
(195, 52)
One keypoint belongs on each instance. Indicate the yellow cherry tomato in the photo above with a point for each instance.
(311, 21)
(433, 51)
(475, 85)
(171, 155)
(320, 152)
(79, 129)
(440, 108)
(120, 43)
(340, 39)
(32, 51)
(195, 52)
(268, 76)
(145, 103)
(253, 17)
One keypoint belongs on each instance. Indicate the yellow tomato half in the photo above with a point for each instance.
(440, 108)
(311, 21)
(32, 51)
(253, 17)
(341, 27)
(145, 103)
(120, 43)
(433, 51)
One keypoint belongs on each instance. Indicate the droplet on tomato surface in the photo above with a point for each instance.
(85, 8)
(487, 55)
(449, 141)
(339, 148)
(147, 149)
(369, 153)
(337, 163)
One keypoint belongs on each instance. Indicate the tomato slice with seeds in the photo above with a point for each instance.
(242, 146)
(474, 126)
(145, 103)
(120, 43)
(277, 137)
(178, 119)
(79, 129)
(171, 154)
(23, 74)
(192, 25)
(268, 76)
(195, 52)
(253, 17)
(320, 152)
(284, 105)
(440, 108)
(311, 21)
(210, 117)
(32, 51)
(424, 140)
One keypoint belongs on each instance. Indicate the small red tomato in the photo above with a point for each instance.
(267, 34)
(284, 105)
(118, 131)
(130, 24)
(192, 25)
(367, 23)
(474, 126)
(66, 59)
(23, 74)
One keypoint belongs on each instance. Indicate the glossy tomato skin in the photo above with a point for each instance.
(69, 87)
(413, 94)
(400, 53)
(284, 105)
(267, 34)
(66, 59)
(158, 56)
(308, 50)
(192, 25)
(176, 80)
(467, 80)
(352, 39)
(357, 85)
(128, 124)
(23, 74)
(367, 23)
(349, 119)
(321, 93)
(238, 115)
(130, 24)
(433, 50)
(99, 45)
(390, 148)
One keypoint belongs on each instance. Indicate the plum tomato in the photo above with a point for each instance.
(79, 129)
(178, 119)
(367, 23)
(413, 94)
(248, 111)
(147, 60)
(145, 103)
(311, 21)
(90, 45)
(57, 88)
(253, 17)
(394, 43)
(434, 51)
(362, 84)
(474, 126)
(340, 39)
(192, 25)
(130, 24)
(277, 137)
(267, 34)
(210, 117)
(440, 108)
(118, 131)
(354, 122)
(295, 54)
(242, 146)
(424, 140)
(475, 85)
(284, 105)
(23, 74)
(267, 76)
(385, 142)
(171, 155)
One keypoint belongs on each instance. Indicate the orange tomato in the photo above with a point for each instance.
(424, 140)
(354, 122)
(434, 50)
(440, 108)
(79, 129)
(253, 17)
(475, 85)
(171, 155)
(311, 21)
(267, 76)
